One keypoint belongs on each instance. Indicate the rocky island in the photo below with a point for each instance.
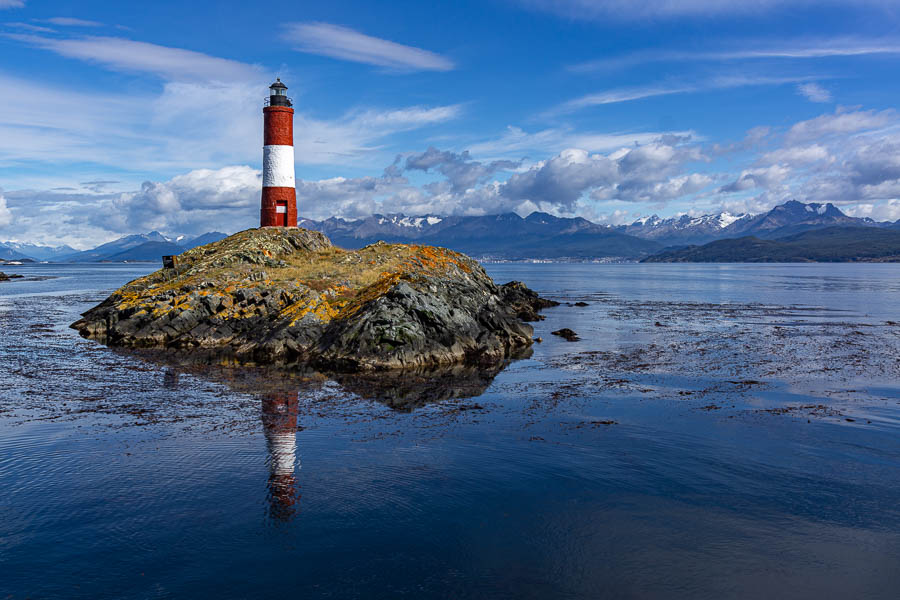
(287, 295)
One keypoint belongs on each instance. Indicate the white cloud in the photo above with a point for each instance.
(346, 44)
(461, 171)
(4, 4)
(638, 93)
(796, 155)
(171, 64)
(30, 27)
(628, 10)
(768, 177)
(814, 92)
(196, 202)
(798, 49)
(227, 199)
(515, 141)
(72, 22)
(622, 95)
(841, 122)
(166, 131)
(6, 216)
(648, 173)
(883, 211)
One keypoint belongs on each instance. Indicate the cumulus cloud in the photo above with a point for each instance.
(850, 158)
(346, 44)
(768, 177)
(814, 92)
(888, 210)
(643, 173)
(460, 170)
(196, 202)
(6, 217)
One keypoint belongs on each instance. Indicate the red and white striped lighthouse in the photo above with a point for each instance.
(279, 197)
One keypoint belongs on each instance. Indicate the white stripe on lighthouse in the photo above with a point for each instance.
(278, 166)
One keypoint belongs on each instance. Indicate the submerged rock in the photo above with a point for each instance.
(287, 295)
(5, 277)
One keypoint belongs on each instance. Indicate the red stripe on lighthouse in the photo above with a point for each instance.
(279, 126)
(278, 206)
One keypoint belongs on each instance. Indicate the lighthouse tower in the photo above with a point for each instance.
(279, 198)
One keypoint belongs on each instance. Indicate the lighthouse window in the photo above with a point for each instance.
(277, 92)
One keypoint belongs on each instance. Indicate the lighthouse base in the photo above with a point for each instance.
(278, 207)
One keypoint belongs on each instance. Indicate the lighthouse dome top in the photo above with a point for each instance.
(278, 94)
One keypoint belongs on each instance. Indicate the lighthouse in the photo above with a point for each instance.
(278, 207)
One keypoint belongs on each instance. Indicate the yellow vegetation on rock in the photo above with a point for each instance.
(311, 277)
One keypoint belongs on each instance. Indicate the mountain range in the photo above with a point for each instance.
(19, 251)
(785, 219)
(541, 235)
(505, 236)
(131, 248)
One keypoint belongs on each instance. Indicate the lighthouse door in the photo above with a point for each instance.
(281, 214)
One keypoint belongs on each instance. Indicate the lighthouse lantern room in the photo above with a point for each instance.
(278, 207)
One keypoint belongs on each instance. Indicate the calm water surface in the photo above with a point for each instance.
(719, 431)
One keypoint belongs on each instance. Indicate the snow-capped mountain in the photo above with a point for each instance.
(786, 219)
(19, 250)
(378, 226)
(141, 247)
(684, 229)
(539, 235)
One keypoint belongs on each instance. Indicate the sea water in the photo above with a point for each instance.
(717, 431)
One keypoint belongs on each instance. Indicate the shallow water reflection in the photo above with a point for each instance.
(279, 422)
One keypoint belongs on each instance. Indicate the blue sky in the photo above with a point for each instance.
(124, 117)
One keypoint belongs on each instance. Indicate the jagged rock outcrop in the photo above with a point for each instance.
(287, 295)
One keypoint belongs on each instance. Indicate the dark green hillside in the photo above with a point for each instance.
(832, 244)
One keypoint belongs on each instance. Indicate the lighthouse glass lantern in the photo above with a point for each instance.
(278, 94)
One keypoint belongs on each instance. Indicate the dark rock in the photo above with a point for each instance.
(568, 334)
(6, 277)
(525, 301)
(582, 304)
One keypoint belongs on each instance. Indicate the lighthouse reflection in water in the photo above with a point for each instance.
(279, 420)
